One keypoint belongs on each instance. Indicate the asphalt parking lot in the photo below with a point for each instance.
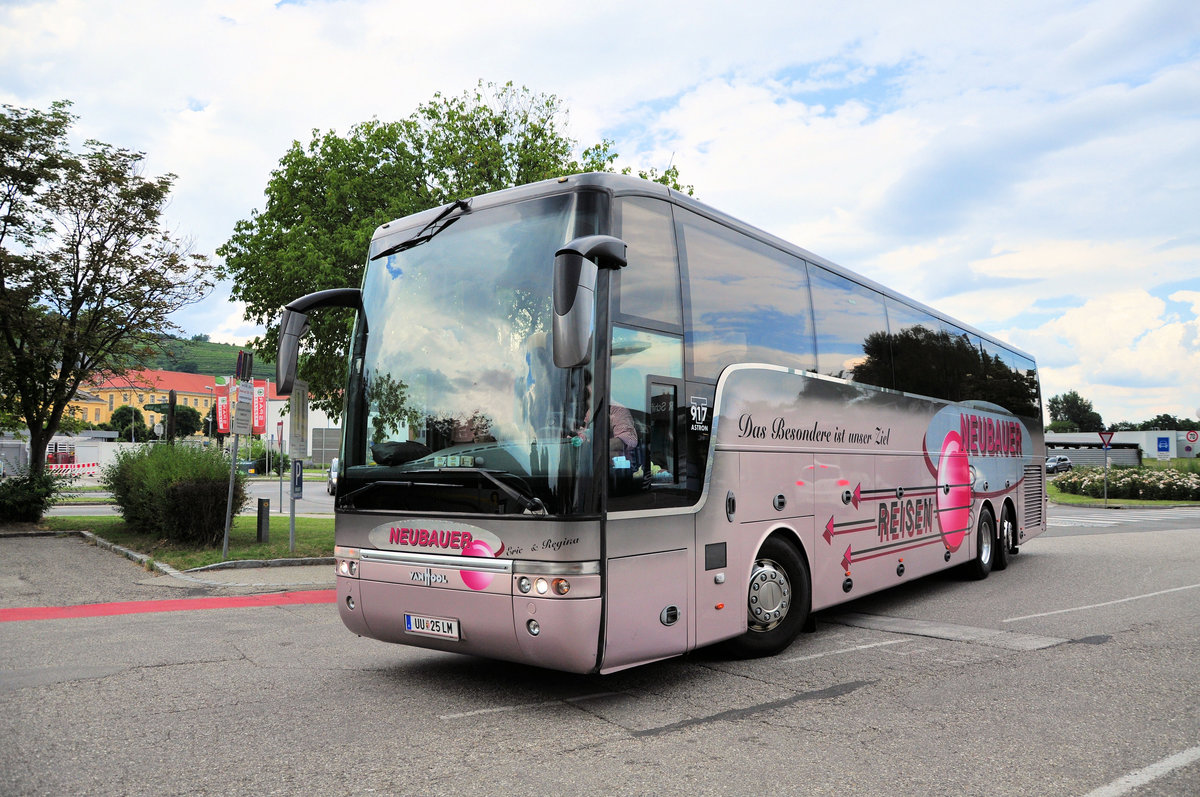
(1072, 671)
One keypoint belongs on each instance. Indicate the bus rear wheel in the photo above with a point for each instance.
(778, 600)
(985, 546)
(1005, 535)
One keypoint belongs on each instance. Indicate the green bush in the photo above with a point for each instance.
(175, 492)
(24, 498)
(1144, 483)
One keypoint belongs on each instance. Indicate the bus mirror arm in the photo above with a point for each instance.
(576, 267)
(294, 325)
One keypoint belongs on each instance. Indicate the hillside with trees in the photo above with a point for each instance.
(199, 355)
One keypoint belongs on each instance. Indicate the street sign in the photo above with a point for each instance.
(298, 417)
(297, 478)
(243, 417)
(1193, 436)
(1106, 439)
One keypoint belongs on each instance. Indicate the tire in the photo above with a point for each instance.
(778, 600)
(985, 547)
(1005, 538)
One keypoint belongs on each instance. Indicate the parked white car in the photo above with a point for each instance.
(331, 476)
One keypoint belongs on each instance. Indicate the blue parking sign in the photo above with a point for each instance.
(1164, 445)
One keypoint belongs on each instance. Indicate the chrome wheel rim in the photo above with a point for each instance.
(769, 596)
(985, 542)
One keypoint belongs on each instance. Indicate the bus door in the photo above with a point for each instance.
(649, 534)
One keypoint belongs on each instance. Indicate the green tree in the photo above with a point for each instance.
(129, 424)
(1072, 410)
(1165, 421)
(325, 200)
(88, 274)
(187, 421)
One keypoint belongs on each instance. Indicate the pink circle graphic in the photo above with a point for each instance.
(473, 578)
(954, 504)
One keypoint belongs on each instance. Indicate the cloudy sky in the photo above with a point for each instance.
(1032, 168)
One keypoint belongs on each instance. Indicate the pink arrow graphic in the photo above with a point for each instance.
(846, 559)
(849, 527)
(857, 495)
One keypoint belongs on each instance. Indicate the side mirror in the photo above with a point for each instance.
(576, 266)
(294, 325)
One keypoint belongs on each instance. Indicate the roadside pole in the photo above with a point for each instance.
(1106, 439)
(229, 498)
(297, 492)
(241, 422)
(297, 446)
(279, 429)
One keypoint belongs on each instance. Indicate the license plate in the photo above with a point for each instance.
(440, 627)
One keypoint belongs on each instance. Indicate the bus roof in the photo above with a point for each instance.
(625, 185)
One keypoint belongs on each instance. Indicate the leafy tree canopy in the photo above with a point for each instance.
(326, 198)
(88, 274)
(1072, 410)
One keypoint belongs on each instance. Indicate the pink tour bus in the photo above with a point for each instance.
(592, 423)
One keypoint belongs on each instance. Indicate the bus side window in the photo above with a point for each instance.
(852, 329)
(748, 301)
(647, 289)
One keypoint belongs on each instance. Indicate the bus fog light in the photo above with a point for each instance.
(350, 602)
(542, 586)
(561, 586)
(533, 628)
(524, 584)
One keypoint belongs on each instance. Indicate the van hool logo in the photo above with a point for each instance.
(428, 577)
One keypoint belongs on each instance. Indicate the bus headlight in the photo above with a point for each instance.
(561, 586)
(347, 561)
(524, 584)
(542, 586)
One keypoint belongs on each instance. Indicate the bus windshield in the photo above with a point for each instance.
(454, 403)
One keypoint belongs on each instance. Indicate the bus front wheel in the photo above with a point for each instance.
(985, 546)
(778, 600)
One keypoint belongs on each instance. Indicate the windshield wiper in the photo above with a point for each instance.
(439, 223)
(530, 503)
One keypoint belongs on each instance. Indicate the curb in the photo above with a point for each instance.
(151, 564)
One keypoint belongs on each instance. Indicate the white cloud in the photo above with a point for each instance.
(1028, 167)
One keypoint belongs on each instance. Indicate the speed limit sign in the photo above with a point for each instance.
(1193, 436)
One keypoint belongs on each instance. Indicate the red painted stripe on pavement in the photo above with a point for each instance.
(177, 605)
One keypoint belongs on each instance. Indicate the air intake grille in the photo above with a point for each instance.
(1035, 488)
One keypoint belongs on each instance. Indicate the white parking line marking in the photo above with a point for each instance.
(1143, 776)
(812, 656)
(948, 631)
(501, 709)
(1098, 605)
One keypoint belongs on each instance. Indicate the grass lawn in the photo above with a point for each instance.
(314, 537)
